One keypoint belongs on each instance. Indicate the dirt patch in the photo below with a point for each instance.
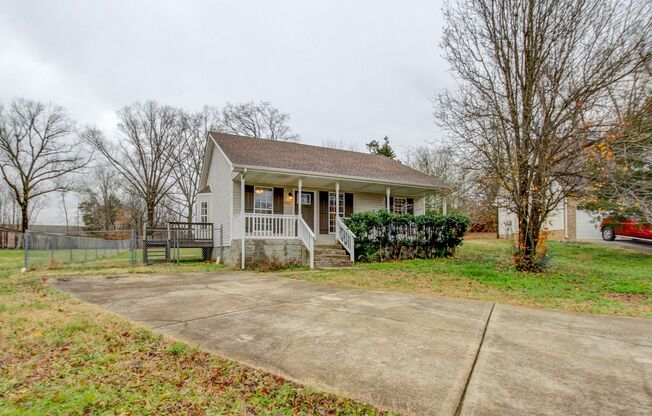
(629, 298)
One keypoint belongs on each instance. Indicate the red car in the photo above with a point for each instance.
(610, 227)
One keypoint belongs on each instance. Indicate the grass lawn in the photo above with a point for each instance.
(60, 356)
(583, 277)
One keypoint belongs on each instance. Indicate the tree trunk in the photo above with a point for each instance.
(25, 216)
(189, 214)
(528, 253)
(150, 215)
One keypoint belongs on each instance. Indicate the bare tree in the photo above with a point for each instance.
(533, 77)
(260, 120)
(38, 150)
(471, 193)
(7, 206)
(144, 155)
(100, 201)
(339, 144)
(189, 157)
(440, 162)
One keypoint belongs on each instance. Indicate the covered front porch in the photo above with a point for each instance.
(269, 205)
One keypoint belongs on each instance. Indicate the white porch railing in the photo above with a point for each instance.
(345, 237)
(307, 237)
(257, 226)
(274, 226)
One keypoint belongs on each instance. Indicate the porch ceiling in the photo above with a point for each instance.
(326, 183)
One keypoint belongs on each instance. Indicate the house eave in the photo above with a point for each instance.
(323, 175)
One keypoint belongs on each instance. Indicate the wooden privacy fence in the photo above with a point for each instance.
(10, 238)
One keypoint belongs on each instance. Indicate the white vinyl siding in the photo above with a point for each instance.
(508, 221)
(419, 206)
(368, 202)
(220, 180)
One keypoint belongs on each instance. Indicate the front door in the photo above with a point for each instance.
(307, 208)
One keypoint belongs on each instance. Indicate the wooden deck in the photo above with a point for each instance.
(160, 243)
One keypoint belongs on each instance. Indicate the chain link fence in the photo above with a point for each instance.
(87, 247)
(180, 242)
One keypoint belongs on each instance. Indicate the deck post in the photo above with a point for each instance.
(242, 219)
(387, 192)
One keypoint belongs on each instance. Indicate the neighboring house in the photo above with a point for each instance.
(251, 188)
(565, 222)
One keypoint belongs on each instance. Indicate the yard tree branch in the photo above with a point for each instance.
(144, 155)
(533, 80)
(38, 151)
(189, 157)
(260, 120)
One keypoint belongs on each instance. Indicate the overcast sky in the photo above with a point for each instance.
(345, 71)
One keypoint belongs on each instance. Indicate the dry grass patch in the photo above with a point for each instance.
(61, 356)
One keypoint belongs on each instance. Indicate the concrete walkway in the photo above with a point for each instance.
(414, 354)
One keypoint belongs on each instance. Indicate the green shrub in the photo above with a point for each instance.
(383, 235)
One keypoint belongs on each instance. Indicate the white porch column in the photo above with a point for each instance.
(444, 205)
(387, 192)
(242, 217)
(337, 200)
(299, 185)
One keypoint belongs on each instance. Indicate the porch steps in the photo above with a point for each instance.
(332, 255)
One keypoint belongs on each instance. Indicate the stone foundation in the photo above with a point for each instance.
(283, 251)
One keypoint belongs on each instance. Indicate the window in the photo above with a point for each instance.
(400, 205)
(306, 199)
(263, 200)
(203, 211)
(332, 207)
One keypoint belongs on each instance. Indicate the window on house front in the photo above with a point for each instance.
(263, 200)
(400, 205)
(203, 211)
(332, 208)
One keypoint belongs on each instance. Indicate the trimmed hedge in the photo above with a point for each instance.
(383, 235)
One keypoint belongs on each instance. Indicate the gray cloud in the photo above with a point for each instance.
(344, 70)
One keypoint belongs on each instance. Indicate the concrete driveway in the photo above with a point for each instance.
(630, 243)
(414, 354)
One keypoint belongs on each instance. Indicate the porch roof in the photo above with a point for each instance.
(276, 161)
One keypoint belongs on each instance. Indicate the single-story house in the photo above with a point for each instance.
(565, 222)
(252, 189)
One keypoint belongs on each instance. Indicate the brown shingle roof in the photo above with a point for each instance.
(250, 152)
(205, 190)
